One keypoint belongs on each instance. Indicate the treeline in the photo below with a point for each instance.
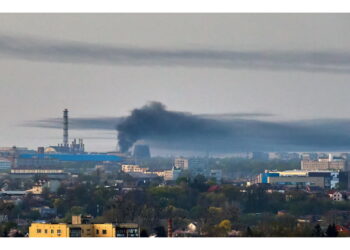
(216, 210)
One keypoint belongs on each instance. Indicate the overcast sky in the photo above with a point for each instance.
(292, 66)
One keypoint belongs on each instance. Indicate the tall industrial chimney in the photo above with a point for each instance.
(170, 228)
(65, 128)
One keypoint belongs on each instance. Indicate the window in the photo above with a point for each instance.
(97, 231)
(104, 231)
(52, 231)
(46, 231)
(59, 232)
(38, 231)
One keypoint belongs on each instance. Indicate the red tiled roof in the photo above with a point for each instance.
(213, 188)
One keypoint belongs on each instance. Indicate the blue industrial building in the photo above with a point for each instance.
(264, 176)
(73, 157)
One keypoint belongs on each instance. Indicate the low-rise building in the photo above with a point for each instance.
(79, 229)
(133, 168)
(36, 189)
(337, 196)
(30, 173)
(327, 179)
(297, 181)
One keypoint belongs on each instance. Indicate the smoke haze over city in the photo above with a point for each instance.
(258, 73)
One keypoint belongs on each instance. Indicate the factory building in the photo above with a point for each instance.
(30, 165)
(73, 157)
(76, 147)
(30, 173)
(50, 165)
(10, 153)
(5, 164)
(81, 227)
(34, 162)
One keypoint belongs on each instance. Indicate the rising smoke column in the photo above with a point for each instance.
(217, 133)
(154, 121)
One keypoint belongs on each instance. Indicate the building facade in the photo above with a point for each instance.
(297, 181)
(133, 168)
(324, 163)
(79, 229)
(5, 164)
(181, 163)
(327, 179)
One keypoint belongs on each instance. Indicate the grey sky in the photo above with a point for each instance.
(308, 85)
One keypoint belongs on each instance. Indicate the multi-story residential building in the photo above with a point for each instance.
(330, 163)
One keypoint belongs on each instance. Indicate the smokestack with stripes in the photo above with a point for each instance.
(65, 128)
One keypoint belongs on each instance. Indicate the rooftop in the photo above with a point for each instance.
(73, 157)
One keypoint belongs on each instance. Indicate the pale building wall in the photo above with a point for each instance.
(133, 168)
(322, 165)
(181, 163)
(48, 230)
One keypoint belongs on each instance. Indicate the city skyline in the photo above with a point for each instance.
(174, 126)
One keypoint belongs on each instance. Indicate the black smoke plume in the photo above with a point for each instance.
(154, 122)
(218, 133)
(184, 131)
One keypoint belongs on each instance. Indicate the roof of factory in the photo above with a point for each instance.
(73, 157)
